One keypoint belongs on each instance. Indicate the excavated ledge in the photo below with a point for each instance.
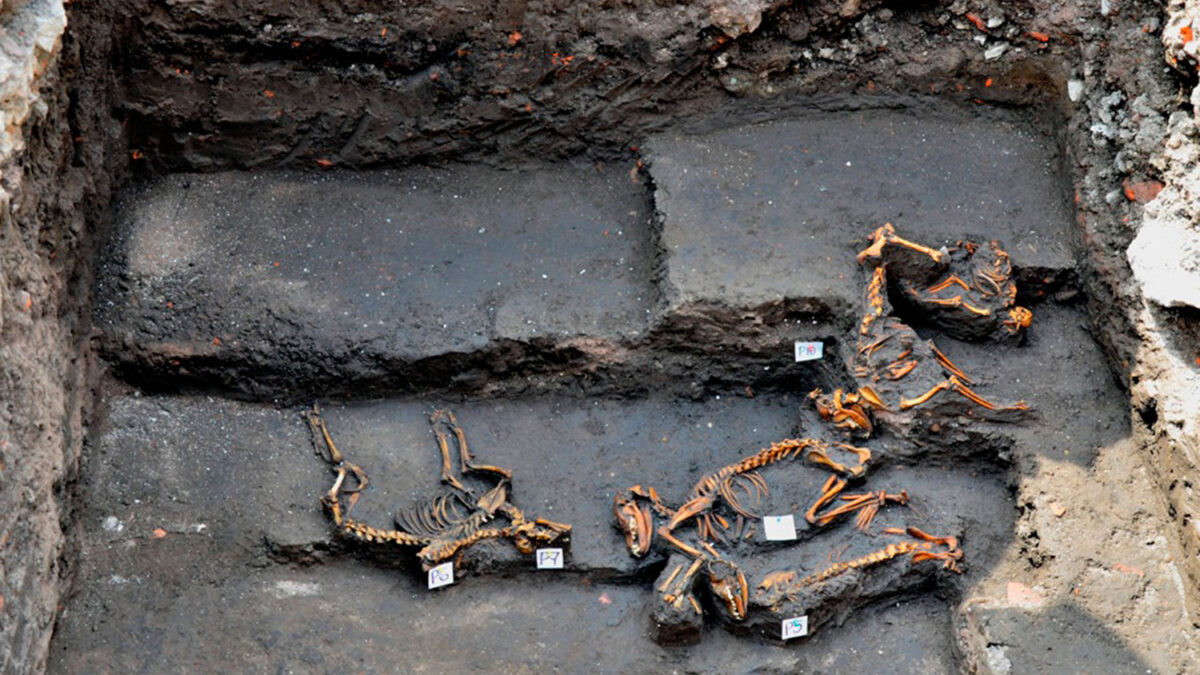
(453, 279)
(776, 210)
(277, 283)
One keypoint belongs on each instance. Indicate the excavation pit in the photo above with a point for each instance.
(632, 367)
(595, 233)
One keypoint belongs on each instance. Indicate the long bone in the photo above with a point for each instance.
(919, 549)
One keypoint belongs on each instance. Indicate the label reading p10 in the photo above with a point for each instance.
(795, 627)
(809, 351)
(442, 575)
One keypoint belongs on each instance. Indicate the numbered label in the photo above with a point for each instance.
(442, 575)
(809, 351)
(549, 558)
(795, 627)
(779, 528)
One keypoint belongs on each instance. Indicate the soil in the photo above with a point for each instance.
(187, 494)
(609, 223)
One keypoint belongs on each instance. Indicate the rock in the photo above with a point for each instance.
(1020, 595)
(737, 17)
(1074, 90)
(1142, 191)
(31, 34)
(1165, 257)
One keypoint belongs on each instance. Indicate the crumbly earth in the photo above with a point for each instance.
(1104, 551)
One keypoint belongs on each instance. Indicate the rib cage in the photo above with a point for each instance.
(722, 481)
(442, 517)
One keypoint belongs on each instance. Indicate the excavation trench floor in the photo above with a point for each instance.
(376, 621)
(507, 296)
(197, 508)
(233, 498)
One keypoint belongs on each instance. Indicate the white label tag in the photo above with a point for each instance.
(442, 575)
(549, 559)
(795, 627)
(779, 528)
(809, 351)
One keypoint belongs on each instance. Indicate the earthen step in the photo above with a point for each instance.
(196, 500)
(761, 214)
(349, 617)
(455, 279)
(260, 281)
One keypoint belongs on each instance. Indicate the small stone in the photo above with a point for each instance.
(1021, 595)
(995, 51)
(1128, 569)
(735, 18)
(1142, 191)
(1074, 89)
(997, 660)
(112, 524)
(995, 21)
(1057, 509)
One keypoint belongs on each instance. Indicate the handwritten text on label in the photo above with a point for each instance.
(549, 558)
(442, 575)
(795, 627)
(809, 351)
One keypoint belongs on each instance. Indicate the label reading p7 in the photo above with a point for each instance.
(549, 558)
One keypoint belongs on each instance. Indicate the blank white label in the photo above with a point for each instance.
(795, 627)
(779, 528)
(809, 351)
(549, 559)
(442, 575)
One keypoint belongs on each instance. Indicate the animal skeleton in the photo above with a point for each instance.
(739, 487)
(447, 524)
(895, 369)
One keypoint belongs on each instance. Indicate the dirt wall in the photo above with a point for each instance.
(55, 169)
